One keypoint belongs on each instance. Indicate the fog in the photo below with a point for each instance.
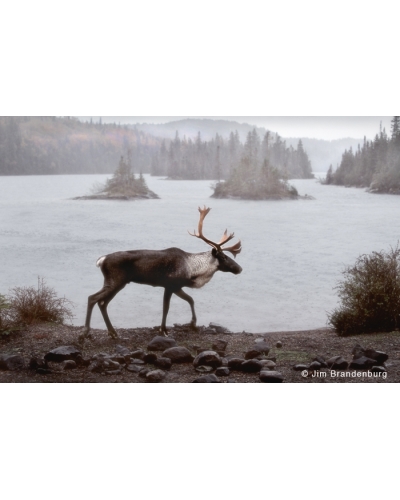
(318, 127)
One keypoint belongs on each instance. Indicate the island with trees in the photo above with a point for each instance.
(123, 185)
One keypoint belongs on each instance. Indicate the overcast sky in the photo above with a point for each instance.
(319, 127)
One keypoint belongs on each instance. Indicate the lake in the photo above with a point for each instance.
(293, 251)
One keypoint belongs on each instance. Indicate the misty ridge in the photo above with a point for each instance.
(65, 145)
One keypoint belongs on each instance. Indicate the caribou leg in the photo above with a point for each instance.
(166, 301)
(183, 295)
(103, 297)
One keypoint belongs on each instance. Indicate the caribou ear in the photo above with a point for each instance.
(214, 252)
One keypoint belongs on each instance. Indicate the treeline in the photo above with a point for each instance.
(218, 158)
(375, 164)
(65, 145)
(50, 145)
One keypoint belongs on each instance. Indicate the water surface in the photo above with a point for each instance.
(292, 258)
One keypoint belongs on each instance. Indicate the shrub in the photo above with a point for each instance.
(28, 305)
(7, 323)
(370, 295)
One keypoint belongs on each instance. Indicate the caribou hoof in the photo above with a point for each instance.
(164, 332)
(113, 334)
(84, 335)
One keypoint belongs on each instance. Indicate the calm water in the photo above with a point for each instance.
(293, 251)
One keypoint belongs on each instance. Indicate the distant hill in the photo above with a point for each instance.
(40, 145)
(322, 153)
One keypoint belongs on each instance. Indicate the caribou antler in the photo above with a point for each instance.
(234, 250)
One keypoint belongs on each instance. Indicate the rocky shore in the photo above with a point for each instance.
(53, 353)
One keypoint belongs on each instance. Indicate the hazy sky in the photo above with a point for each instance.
(319, 127)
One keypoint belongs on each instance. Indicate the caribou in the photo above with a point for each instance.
(172, 269)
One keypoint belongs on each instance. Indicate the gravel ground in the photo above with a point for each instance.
(297, 347)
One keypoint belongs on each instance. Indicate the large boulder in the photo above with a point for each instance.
(178, 354)
(161, 343)
(62, 353)
(208, 358)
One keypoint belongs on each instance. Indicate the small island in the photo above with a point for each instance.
(251, 183)
(123, 185)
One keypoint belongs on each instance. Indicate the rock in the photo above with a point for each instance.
(219, 345)
(209, 331)
(267, 364)
(357, 351)
(253, 353)
(260, 339)
(62, 353)
(122, 350)
(209, 358)
(222, 371)
(362, 363)
(100, 363)
(69, 364)
(136, 361)
(251, 366)
(314, 366)
(11, 362)
(278, 344)
(271, 376)
(321, 361)
(150, 357)
(207, 379)
(134, 368)
(337, 363)
(219, 328)
(96, 366)
(235, 363)
(144, 371)
(300, 367)
(36, 363)
(163, 363)
(261, 347)
(109, 364)
(379, 356)
(161, 343)
(155, 375)
(178, 355)
(100, 356)
(138, 354)
(121, 359)
(204, 369)
(378, 369)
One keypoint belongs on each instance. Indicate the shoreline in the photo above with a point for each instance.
(286, 349)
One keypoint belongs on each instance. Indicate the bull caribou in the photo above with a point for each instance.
(172, 269)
